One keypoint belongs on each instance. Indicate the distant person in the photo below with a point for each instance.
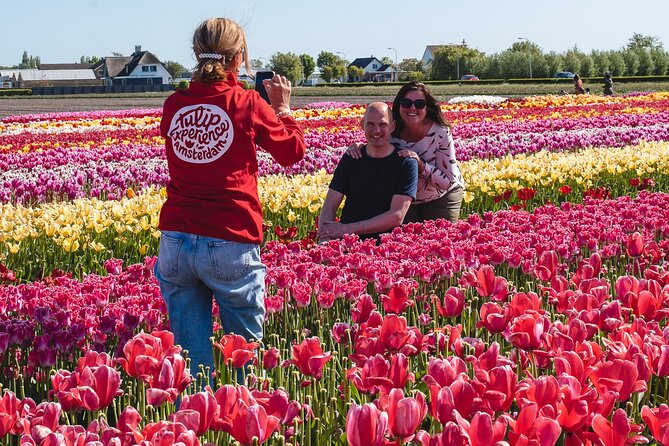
(422, 132)
(211, 223)
(608, 84)
(578, 85)
(379, 187)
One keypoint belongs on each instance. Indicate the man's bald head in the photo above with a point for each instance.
(378, 125)
(379, 108)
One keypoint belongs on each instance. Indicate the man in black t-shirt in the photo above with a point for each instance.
(379, 187)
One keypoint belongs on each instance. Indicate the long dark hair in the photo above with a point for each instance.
(433, 110)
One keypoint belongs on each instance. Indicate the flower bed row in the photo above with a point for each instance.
(64, 157)
(418, 339)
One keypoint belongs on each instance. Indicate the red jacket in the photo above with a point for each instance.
(211, 132)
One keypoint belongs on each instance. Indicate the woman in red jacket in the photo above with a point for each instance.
(211, 223)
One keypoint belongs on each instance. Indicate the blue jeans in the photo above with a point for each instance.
(191, 269)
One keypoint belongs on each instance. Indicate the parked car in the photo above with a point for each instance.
(469, 77)
(564, 75)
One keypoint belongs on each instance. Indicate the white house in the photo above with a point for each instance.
(374, 69)
(140, 68)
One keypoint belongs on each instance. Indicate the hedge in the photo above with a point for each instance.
(16, 92)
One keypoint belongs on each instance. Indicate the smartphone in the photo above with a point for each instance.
(260, 87)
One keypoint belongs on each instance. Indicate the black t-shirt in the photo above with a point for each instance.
(370, 183)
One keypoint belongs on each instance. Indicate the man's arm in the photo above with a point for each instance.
(392, 218)
(328, 213)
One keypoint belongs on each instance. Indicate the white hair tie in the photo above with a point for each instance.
(209, 56)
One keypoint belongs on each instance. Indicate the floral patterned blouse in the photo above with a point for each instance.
(442, 172)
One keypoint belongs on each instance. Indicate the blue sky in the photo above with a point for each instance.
(63, 31)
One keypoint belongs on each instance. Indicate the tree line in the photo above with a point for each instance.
(642, 56)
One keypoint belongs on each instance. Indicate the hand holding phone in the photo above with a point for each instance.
(261, 76)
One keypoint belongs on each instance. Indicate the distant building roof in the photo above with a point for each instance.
(64, 66)
(56, 75)
(362, 62)
(124, 65)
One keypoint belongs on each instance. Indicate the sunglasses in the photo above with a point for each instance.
(418, 103)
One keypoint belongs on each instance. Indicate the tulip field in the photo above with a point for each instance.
(538, 319)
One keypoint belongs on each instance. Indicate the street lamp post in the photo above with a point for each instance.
(529, 54)
(395, 61)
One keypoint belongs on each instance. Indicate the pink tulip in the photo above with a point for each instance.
(365, 425)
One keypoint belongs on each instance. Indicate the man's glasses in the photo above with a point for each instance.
(418, 103)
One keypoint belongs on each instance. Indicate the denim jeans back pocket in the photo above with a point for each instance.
(168, 255)
(230, 261)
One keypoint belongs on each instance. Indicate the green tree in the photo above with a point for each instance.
(408, 76)
(601, 62)
(617, 61)
(453, 60)
(337, 64)
(289, 65)
(411, 65)
(89, 59)
(326, 73)
(646, 63)
(355, 74)
(644, 42)
(572, 60)
(632, 63)
(661, 61)
(385, 60)
(256, 64)
(308, 64)
(28, 61)
(554, 63)
(174, 68)
(326, 59)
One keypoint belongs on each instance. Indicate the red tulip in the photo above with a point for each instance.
(394, 332)
(454, 302)
(198, 411)
(372, 377)
(271, 358)
(618, 376)
(172, 379)
(309, 358)
(166, 433)
(500, 388)
(365, 425)
(278, 404)
(573, 405)
(252, 422)
(527, 330)
(482, 431)
(634, 245)
(533, 427)
(616, 432)
(236, 349)
(9, 411)
(405, 414)
(443, 372)
(362, 309)
(494, 318)
(657, 420)
(523, 302)
(142, 355)
(546, 267)
(486, 283)
(543, 391)
(397, 299)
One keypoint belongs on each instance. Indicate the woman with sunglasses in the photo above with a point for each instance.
(422, 132)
